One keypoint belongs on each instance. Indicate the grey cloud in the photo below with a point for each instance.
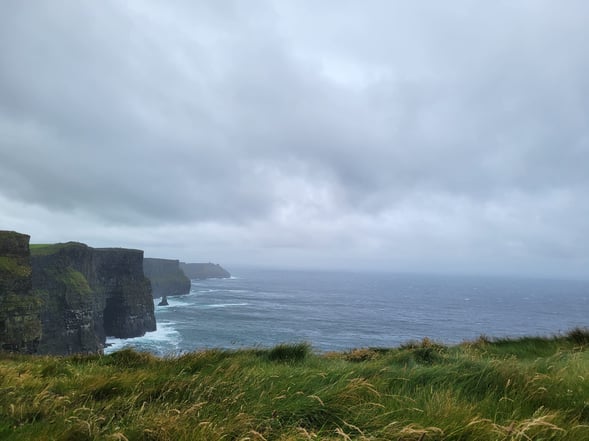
(301, 123)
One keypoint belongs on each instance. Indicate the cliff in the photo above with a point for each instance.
(128, 302)
(89, 294)
(60, 280)
(204, 271)
(166, 277)
(20, 323)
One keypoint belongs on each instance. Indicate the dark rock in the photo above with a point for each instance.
(204, 271)
(66, 298)
(20, 321)
(69, 319)
(128, 302)
(166, 277)
(163, 302)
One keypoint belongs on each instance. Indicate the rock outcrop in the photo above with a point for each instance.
(88, 294)
(20, 309)
(167, 279)
(204, 270)
(66, 298)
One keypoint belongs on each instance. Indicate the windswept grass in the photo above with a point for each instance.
(289, 352)
(524, 389)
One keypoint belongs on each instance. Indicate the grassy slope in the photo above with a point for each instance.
(531, 388)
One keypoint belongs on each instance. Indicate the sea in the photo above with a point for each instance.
(340, 311)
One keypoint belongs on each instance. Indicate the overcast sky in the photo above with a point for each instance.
(393, 135)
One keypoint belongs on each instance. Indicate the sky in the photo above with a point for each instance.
(382, 135)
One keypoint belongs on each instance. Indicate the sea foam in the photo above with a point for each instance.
(165, 340)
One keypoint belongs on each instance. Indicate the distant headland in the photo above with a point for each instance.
(204, 270)
(172, 277)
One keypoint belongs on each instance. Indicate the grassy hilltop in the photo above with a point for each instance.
(524, 389)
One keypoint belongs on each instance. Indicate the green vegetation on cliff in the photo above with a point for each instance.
(20, 324)
(11, 303)
(524, 389)
(14, 267)
(45, 249)
(72, 280)
(19, 320)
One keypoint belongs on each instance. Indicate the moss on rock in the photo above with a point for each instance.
(20, 323)
(13, 244)
(19, 318)
(73, 281)
(14, 267)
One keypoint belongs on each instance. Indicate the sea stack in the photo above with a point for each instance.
(164, 301)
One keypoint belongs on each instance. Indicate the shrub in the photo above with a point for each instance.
(427, 355)
(289, 352)
(579, 336)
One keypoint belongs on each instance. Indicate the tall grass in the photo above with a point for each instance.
(524, 389)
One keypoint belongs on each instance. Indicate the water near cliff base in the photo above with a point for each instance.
(340, 311)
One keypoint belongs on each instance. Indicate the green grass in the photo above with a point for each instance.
(44, 249)
(521, 389)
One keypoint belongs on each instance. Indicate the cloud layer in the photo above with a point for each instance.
(433, 136)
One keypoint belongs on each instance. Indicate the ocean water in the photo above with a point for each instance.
(341, 311)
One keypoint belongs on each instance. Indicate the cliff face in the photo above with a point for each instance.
(88, 294)
(128, 302)
(167, 279)
(60, 280)
(66, 298)
(204, 271)
(20, 323)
